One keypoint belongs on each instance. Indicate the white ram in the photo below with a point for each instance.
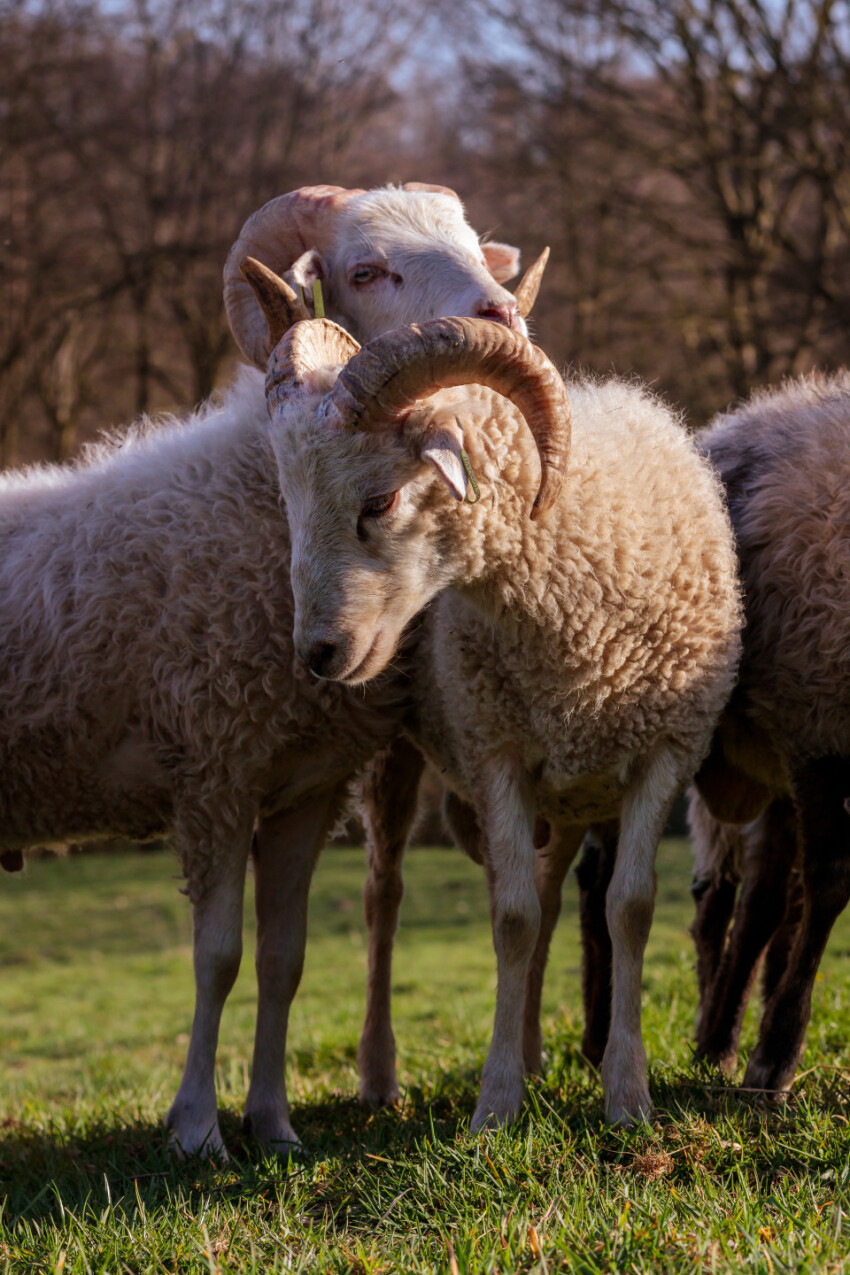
(572, 664)
(147, 676)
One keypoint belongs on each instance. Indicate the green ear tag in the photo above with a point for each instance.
(318, 303)
(473, 484)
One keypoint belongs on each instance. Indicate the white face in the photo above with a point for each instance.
(365, 513)
(402, 257)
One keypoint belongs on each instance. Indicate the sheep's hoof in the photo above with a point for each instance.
(190, 1139)
(498, 1105)
(773, 1078)
(726, 1059)
(379, 1091)
(274, 1134)
(629, 1107)
(378, 1080)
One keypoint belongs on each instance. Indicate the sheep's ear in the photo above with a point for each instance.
(305, 270)
(502, 260)
(442, 449)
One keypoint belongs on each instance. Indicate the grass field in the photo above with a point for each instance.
(95, 996)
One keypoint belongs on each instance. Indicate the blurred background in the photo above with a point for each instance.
(686, 161)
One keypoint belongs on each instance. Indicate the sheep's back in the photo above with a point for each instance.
(146, 651)
(784, 459)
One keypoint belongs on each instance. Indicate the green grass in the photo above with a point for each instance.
(95, 998)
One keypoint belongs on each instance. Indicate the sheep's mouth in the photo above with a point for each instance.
(361, 672)
(496, 314)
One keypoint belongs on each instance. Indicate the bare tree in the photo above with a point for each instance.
(136, 139)
(715, 133)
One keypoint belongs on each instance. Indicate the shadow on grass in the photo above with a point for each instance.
(47, 1171)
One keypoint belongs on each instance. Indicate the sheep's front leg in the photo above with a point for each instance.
(286, 848)
(193, 1118)
(629, 907)
(390, 791)
(507, 820)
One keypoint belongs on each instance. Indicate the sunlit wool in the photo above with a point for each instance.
(149, 680)
(782, 456)
(575, 666)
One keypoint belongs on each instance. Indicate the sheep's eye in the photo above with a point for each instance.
(379, 506)
(361, 275)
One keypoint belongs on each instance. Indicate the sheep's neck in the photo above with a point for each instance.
(503, 561)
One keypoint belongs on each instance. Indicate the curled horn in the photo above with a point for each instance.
(430, 189)
(315, 346)
(276, 235)
(529, 285)
(309, 346)
(393, 373)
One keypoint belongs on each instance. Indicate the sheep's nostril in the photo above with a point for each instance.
(507, 314)
(320, 657)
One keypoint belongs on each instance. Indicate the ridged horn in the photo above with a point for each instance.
(276, 235)
(394, 372)
(529, 285)
(279, 303)
(308, 347)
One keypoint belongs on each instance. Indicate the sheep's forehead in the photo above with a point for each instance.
(326, 465)
(386, 223)
(326, 468)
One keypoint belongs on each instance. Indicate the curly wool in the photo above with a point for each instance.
(782, 457)
(585, 638)
(147, 674)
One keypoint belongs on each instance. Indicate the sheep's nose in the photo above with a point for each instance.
(319, 657)
(500, 312)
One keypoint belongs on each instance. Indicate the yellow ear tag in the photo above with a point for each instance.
(473, 484)
(318, 303)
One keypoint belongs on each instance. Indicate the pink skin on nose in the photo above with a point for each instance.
(508, 314)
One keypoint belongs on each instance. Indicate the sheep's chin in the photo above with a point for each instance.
(373, 663)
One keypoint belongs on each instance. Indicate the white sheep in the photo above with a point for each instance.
(572, 664)
(783, 458)
(382, 257)
(149, 681)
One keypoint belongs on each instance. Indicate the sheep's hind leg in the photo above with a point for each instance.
(821, 789)
(769, 857)
(594, 874)
(193, 1117)
(629, 907)
(286, 848)
(550, 867)
(778, 954)
(714, 903)
(506, 817)
(390, 791)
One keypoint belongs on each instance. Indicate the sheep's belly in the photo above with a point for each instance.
(584, 799)
(51, 792)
